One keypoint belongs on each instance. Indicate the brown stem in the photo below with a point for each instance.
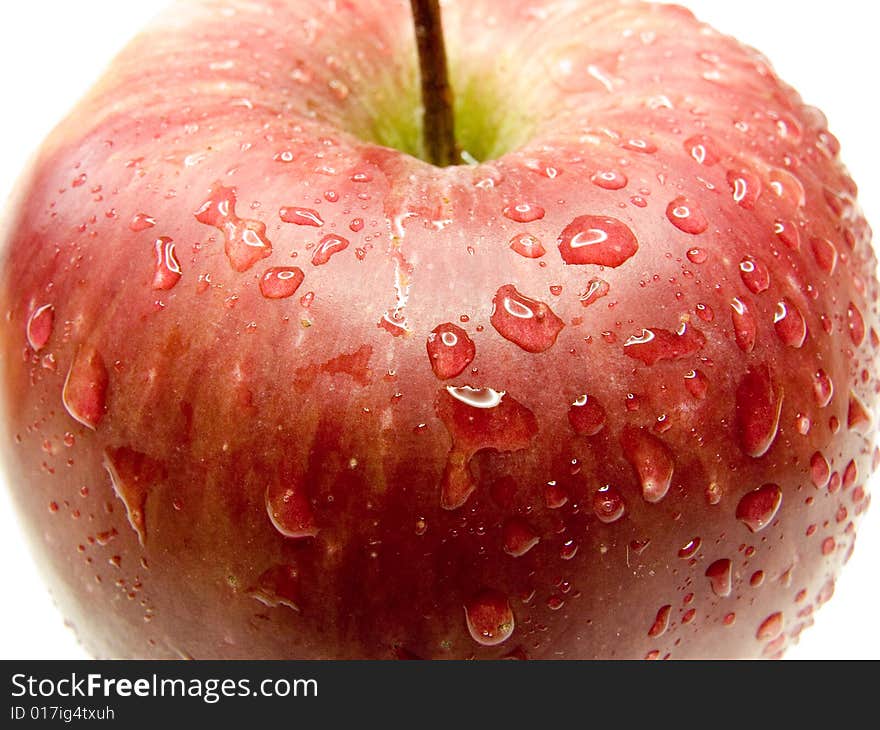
(438, 121)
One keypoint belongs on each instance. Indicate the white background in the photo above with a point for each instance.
(51, 51)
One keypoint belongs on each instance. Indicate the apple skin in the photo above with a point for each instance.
(208, 471)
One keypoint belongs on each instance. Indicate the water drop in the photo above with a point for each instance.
(290, 509)
(328, 246)
(518, 537)
(586, 416)
(858, 417)
(596, 289)
(167, 268)
(141, 222)
(608, 504)
(770, 627)
(787, 232)
(755, 275)
(661, 622)
(280, 282)
(745, 326)
(39, 326)
(245, 240)
(526, 322)
(609, 180)
(527, 245)
(277, 586)
(642, 146)
(651, 460)
(687, 216)
(301, 216)
(598, 240)
(523, 212)
(856, 324)
(745, 187)
(703, 149)
(654, 345)
(132, 476)
(790, 325)
(85, 389)
(820, 470)
(450, 350)
(696, 383)
(757, 508)
(720, 576)
(489, 618)
(825, 254)
(758, 408)
(823, 388)
(690, 548)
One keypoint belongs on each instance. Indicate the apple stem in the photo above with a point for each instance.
(438, 127)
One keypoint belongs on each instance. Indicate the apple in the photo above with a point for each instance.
(277, 387)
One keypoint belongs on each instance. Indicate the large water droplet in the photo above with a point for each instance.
(450, 350)
(132, 476)
(597, 240)
(719, 574)
(820, 470)
(823, 388)
(757, 508)
(758, 407)
(523, 212)
(85, 389)
(489, 618)
(609, 180)
(825, 254)
(858, 417)
(596, 289)
(687, 216)
(527, 245)
(301, 216)
(651, 460)
(586, 416)
(856, 324)
(791, 327)
(289, 509)
(661, 622)
(526, 322)
(755, 275)
(770, 627)
(745, 326)
(277, 586)
(745, 187)
(653, 345)
(167, 268)
(328, 246)
(518, 537)
(280, 282)
(703, 149)
(246, 241)
(39, 326)
(608, 504)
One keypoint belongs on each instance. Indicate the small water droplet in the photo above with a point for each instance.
(450, 350)
(856, 324)
(745, 187)
(527, 245)
(720, 575)
(328, 246)
(526, 322)
(787, 232)
(703, 149)
(280, 282)
(687, 216)
(651, 460)
(696, 383)
(858, 417)
(586, 416)
(697, 255)
(757, 508)
(823, 388)
(598, 240)
(690, 548)
(489, 618)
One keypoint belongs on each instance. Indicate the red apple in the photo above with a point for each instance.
(277, 388)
